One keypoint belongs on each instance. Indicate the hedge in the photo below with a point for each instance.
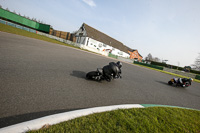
(113, 56)
(158, 63)
(197, 77)
(194, 71)
(149, 65)
(173, 67)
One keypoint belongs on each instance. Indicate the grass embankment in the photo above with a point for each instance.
(13, 30)
(147, 120)
(177, 75)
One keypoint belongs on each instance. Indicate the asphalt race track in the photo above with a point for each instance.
(39, 78)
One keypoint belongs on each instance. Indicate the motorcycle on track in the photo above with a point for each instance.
(99, 76)
(95, 75)
(178, 82)
(108, 72)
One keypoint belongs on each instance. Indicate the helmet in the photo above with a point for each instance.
(119, 64)
(190, 79)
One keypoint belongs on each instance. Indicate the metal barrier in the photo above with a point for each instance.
(17, 26)
(59, 39)
(125, 59)
(40, 33)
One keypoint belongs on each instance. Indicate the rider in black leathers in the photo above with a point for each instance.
(113, 70)
(182, 81)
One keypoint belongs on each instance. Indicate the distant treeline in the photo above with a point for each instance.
(173, 67)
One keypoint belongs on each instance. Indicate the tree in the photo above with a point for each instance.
(7, 9)
(34, 19)
(156, 59)
(149, 57)
(196, 65)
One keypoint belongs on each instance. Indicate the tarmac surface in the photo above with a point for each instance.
(39, 78)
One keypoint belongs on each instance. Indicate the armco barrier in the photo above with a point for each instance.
(2, 21)
(125, 59)
(40, 33)
(73, 43)
(17, 26)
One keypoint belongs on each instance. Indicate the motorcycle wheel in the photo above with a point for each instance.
(92, 75)
(170, 83)
(187, 84)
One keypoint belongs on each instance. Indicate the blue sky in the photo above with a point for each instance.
(168, 29)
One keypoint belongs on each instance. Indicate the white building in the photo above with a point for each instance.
(97, 41)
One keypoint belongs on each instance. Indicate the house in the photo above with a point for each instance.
(134, 54)
(92, 38)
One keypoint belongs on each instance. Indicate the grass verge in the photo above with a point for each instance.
(152, 119)
(13, 30)
(177, 75)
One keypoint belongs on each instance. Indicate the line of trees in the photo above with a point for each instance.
(151, 58)
(196, 65)
(156, 61)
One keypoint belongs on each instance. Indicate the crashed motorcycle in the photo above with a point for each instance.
(98, 75)
(176, 82)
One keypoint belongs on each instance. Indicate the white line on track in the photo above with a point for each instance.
(61, 117)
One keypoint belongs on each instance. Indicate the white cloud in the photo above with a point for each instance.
(90, 3)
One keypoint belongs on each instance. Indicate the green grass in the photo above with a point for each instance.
(177, 75)
(146, 120)
(13, 30)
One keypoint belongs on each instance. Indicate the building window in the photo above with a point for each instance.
(120, 53)
(79, 40)
(100, 45)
